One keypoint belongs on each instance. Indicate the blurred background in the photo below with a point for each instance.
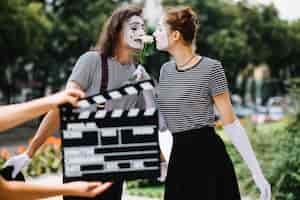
(258, 42)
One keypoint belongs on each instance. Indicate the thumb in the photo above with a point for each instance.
(7, 163)
(73, 101)
(76, 93)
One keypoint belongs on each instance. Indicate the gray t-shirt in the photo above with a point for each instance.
(88, 72)
(185, 97)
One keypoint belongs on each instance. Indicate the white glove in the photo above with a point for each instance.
(239, 138)
(163, 171)
(18, 162)
(264, 187)
(165, 144)
(140, 73)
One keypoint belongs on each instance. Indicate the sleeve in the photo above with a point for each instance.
(84, 69)
(162, 72)
(217, 82)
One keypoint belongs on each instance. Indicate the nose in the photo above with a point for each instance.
(142, 32)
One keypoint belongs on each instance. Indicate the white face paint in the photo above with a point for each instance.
(133, 30)
(161, 36)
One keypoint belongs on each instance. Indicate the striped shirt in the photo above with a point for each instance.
(185, 96)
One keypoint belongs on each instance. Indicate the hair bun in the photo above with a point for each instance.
(188, 15)
(183, 19)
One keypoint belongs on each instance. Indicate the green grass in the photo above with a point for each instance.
(149, 191)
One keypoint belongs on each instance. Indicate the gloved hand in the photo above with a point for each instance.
(163, 171)
(238, 137)
(18, 162)
(263, 186)
(140, 73)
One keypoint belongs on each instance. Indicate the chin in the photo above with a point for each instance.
(137, 48)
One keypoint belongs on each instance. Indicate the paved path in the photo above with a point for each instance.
(56, 179)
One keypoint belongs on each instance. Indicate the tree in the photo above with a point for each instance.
(76, 28)
(239, 34)
(47, 36)
(22, 36)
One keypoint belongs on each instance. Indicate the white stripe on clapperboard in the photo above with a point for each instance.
(115, 94)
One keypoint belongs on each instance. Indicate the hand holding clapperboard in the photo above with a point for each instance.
(110, 145)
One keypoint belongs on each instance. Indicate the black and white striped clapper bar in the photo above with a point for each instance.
(110, 145)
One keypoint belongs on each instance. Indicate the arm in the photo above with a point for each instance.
(19, 190)
(239, 138)
(79, 79)
(13, 115)
(49, 125)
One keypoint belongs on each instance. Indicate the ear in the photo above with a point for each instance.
(176, 35)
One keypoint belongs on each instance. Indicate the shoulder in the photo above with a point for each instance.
(90, 56)
(89, 61)
(167, 66)
(211, 61)
(212, 64)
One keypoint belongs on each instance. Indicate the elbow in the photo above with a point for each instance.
(229, 119)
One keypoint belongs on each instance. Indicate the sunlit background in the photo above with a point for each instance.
(257, 41)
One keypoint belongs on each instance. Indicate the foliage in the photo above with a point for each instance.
(277, 146)
(22, 37)
(41, 40)
(48, 36)
(149, 188)
(286, 163)
(46, 160)
(240, 34)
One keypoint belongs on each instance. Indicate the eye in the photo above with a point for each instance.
(134, 28)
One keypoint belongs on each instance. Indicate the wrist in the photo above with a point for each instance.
(29, 153)
(67, 189)
(50, 102)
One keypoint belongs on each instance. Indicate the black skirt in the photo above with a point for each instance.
(200, 168)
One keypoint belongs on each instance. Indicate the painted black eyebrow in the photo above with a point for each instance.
(137, 23)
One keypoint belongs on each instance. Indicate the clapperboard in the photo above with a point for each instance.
(110, 145)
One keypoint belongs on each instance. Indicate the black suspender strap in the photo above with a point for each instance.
(104, 71)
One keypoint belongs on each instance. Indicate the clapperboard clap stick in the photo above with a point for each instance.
(110, 145)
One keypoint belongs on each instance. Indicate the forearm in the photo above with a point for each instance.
(239, 138)
(49, 125)
(14, 115)
(19, 190)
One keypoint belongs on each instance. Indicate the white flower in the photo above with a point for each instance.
(147, 39)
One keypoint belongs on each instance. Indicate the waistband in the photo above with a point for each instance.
(200, 134)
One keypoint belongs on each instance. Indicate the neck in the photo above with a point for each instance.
(182, 53)
(123, 55)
